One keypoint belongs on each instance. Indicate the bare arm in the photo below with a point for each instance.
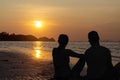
(74, 54)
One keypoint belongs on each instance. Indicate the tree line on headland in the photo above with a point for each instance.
(4, 36)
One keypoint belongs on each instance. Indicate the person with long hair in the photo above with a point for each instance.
(61, 60)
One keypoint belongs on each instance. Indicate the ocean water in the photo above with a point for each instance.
(43, 50)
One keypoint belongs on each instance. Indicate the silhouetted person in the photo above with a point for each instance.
(98, 58)
(116, 71)
(61, 59)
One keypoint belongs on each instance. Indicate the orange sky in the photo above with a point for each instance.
(73, 17)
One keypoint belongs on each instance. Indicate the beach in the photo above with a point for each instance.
(15, 66)
(33, 60)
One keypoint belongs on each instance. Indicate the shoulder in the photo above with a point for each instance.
(88, 50)
(68, 49)
(104, 48)
(54, 50)
(106, 51)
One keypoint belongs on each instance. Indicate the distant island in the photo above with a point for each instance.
(4, 36)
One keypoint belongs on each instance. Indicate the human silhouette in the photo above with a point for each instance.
(116, 71)
(61, 60)
(98, 59)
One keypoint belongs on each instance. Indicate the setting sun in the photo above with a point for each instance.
(38, 24)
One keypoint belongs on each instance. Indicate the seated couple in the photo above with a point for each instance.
(97, 57)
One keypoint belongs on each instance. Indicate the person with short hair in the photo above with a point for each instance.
(98, 59)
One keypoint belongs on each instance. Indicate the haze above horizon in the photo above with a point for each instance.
(72, 17)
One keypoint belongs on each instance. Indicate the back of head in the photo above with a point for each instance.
(93, 36)
(63, 39)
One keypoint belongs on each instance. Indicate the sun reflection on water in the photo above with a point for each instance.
(38, 54)
(37, 50)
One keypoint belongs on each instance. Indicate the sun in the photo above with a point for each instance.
(38, 24)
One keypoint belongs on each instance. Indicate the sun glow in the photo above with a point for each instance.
(38, 24)
(37, 53)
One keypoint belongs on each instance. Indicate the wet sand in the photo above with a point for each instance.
(15, 66)
(20, 66)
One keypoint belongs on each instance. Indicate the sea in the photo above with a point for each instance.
(43, 50)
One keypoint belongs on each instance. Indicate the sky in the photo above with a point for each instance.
(72, 17)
